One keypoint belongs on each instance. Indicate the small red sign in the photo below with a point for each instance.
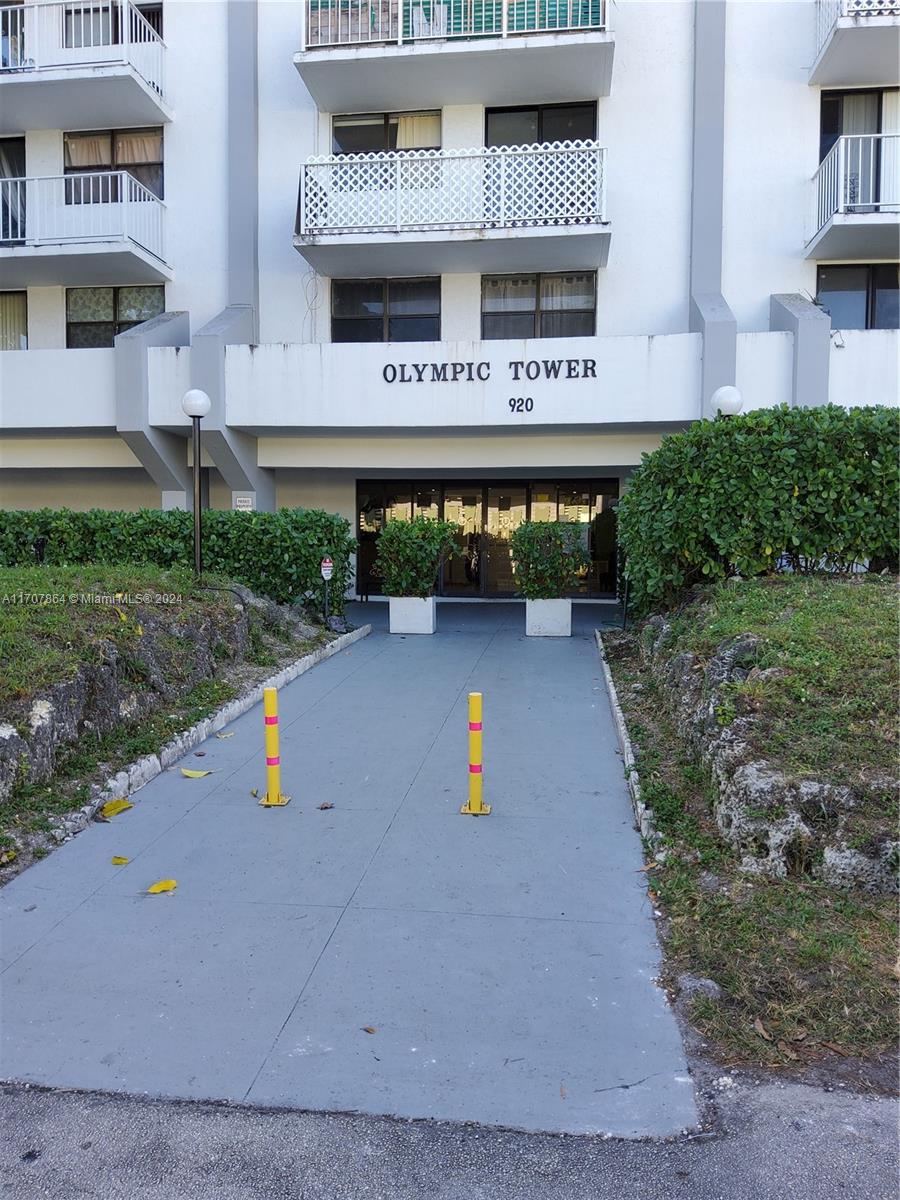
(327, 568)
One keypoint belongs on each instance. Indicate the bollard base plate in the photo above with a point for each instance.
(278, 802)
(476, 812)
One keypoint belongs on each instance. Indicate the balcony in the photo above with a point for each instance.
(417, 212)
(92, 228)
(857, 199)
(79, 66)
(857, 43)
(366, 55)
(76, 389)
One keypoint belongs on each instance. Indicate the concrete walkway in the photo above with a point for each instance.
(506, 963)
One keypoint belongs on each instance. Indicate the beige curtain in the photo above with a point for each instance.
(141, 147)
(86, 151)
(418, 131)
(13, 321)
(890, 149)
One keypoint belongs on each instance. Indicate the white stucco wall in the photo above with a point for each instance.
(57, 389)
(865, 367)
(771, 154)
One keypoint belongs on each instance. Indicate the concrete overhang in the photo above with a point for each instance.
(440, 252)
(532, 69)
(860, 51)
(857, 237)
(78, 98)
(83, 264)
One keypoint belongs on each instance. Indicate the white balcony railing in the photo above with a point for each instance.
(859, 174)
(829, 11)
(361, 22)
(99, 206)
(560, 183)
(44, 36)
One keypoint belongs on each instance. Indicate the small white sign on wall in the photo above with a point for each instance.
(243, 503)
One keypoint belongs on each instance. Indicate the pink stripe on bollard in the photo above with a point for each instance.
(475, 727)
(271, 720)
(474, 768)
(273, 762)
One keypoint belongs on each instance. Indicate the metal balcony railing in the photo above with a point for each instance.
(91, 207)
(44, 36)
(364, 22)
(859, 174)
(829, 11)
(560, 183)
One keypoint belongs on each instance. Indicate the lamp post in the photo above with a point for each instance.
(727, 400)
(196, 405)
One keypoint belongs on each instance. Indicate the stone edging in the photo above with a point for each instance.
(133, 777)
(644, 819)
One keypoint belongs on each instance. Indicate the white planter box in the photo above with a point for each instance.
(548, 618)
(409, 614)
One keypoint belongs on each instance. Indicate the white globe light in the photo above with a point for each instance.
(195, 403)
(727, 400)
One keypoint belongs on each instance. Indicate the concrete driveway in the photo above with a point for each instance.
(386, 955)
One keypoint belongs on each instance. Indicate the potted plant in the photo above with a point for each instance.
(549, 559)
(409, 558)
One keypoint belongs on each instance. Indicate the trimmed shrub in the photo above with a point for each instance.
(549, 558)
(779, 489)
(274, 554)
(410, 554)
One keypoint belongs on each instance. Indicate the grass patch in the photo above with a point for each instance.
(803, 968)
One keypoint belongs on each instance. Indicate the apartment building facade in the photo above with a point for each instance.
(464, 257)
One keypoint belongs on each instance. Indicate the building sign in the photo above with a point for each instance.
(243, 503)
(517, 370)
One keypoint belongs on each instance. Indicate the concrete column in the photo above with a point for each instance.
(163, 455)
(811, 327)
(233, 452)
(710, 313)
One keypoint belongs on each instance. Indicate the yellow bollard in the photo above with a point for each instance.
(475, 806)
(273, 796)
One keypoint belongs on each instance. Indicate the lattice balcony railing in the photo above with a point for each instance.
(828, 12)
(559, 183)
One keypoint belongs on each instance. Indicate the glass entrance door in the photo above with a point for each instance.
(463, 573)
(505, 510)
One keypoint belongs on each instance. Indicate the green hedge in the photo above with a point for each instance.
(410, 553)
(549, 559)
(274, 554)
(802, 489)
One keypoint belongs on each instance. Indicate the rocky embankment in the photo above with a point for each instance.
(779, 824)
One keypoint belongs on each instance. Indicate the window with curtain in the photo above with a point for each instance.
(94, 315)
(372, 133)
(550, 306)
(385, 310)
(13, 321)
(138, 151)
(542, 123)
(861, 297)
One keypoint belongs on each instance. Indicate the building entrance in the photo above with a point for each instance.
(486, 515)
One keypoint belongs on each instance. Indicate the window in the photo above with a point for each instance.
(94, 315)
(385, 310)
(13, 192)
(549, 306)
(138, 151)
(371, 133)
(538, 124)
(13, 321)
(861, 297)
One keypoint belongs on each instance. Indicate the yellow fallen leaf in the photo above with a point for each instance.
(369, 1029)
(223, 736)
(121, 615)
(194, 774)
(112, 808)
(119, 860)
(164, 885)
(140, 630)
(7, 856)
(761, 1030)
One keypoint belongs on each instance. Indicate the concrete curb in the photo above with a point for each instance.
(133, 777)
(644, 820)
